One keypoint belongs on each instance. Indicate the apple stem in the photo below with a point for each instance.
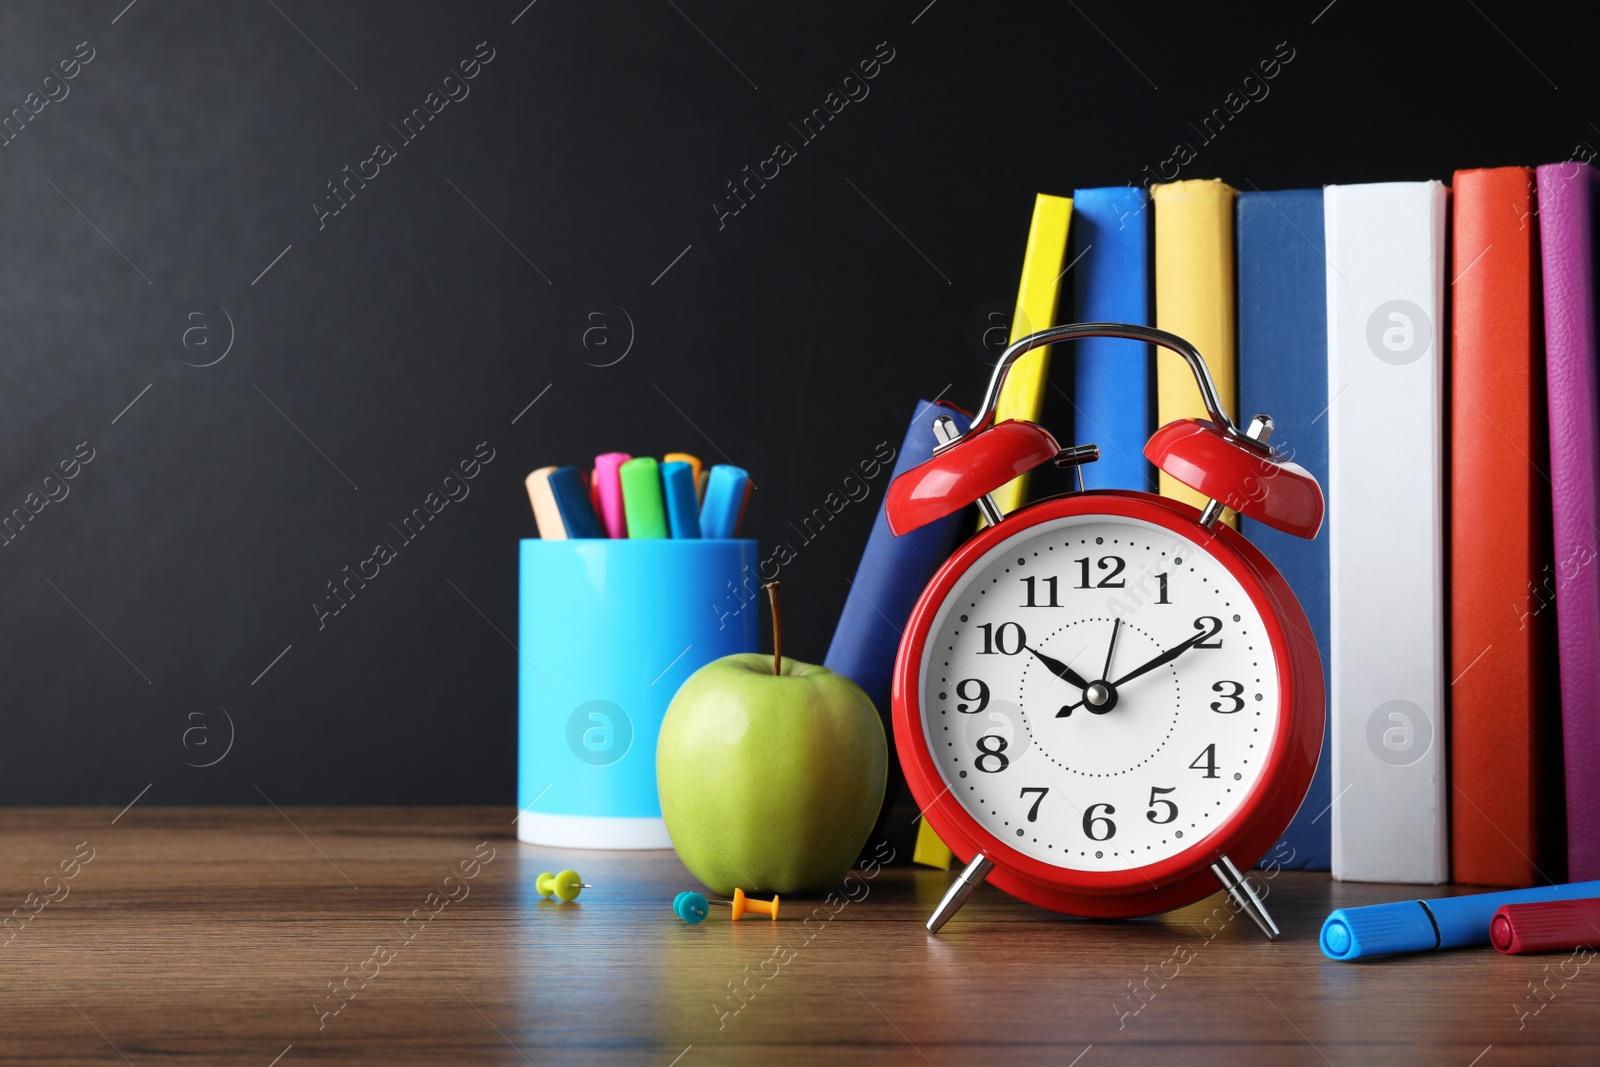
(777, 627)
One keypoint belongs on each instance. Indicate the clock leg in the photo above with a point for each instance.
(1241, 891)
(963, 887)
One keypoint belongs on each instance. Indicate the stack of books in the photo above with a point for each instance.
(1429, 353)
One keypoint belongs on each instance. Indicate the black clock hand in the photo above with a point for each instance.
(1111, 649)
(1166, 657)
(1059, 669)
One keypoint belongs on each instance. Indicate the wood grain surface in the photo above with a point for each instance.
(219, 936)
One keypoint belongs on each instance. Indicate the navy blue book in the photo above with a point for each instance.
(889, 580)
(1113, 383)
(1283, 371)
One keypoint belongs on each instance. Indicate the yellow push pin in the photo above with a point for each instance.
(564, 886)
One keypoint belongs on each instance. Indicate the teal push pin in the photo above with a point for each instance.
(690, 906)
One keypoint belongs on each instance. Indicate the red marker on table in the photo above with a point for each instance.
(1548, 926)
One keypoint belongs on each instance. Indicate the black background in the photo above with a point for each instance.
(415, 324)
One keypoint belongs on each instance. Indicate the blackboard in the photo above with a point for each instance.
(272, 271)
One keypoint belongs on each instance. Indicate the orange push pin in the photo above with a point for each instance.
(741, 904)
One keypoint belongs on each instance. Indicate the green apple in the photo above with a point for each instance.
(770, 781)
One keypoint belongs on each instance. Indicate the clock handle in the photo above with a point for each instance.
(963, 887)
(1244, 895)
(1197, 366)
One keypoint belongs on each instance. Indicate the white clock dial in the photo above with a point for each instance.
(1099, 692)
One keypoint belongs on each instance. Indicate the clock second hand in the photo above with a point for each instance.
(1111, 649)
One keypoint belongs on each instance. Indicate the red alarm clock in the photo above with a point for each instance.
(1105, 698)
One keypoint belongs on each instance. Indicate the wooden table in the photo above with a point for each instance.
(219, 935)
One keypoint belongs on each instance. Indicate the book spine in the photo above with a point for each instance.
(1194, 299)
(888, 581)
(1386, 337)
(1283, 371)
(1498, 699)
(1110, 257)
(1038, 293)
(1566, 236)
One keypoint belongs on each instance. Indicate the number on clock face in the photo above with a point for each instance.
(1099, 693)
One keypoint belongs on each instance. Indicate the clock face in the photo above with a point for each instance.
(1099, 692)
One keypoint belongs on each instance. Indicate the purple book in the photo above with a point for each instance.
(1566, 231)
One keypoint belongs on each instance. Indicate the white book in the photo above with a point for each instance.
(1387, 335)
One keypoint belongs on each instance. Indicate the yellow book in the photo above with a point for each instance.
(1022, 397)
(1037, 296)
(929, 850)
(1194, 299)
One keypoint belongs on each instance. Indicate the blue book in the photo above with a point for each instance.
(889, 580)
(1113, 384)
(1283, 371)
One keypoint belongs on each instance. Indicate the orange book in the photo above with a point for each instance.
(1505, 797)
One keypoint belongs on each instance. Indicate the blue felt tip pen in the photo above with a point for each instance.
(1425, 925)
(683, 508)
(727, 493)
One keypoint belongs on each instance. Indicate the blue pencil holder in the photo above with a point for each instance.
(609, 629)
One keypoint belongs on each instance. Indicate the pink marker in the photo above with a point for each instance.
(608, 491)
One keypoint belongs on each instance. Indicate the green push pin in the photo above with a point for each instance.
(564, 886)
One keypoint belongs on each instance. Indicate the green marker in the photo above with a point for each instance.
(642, 501)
